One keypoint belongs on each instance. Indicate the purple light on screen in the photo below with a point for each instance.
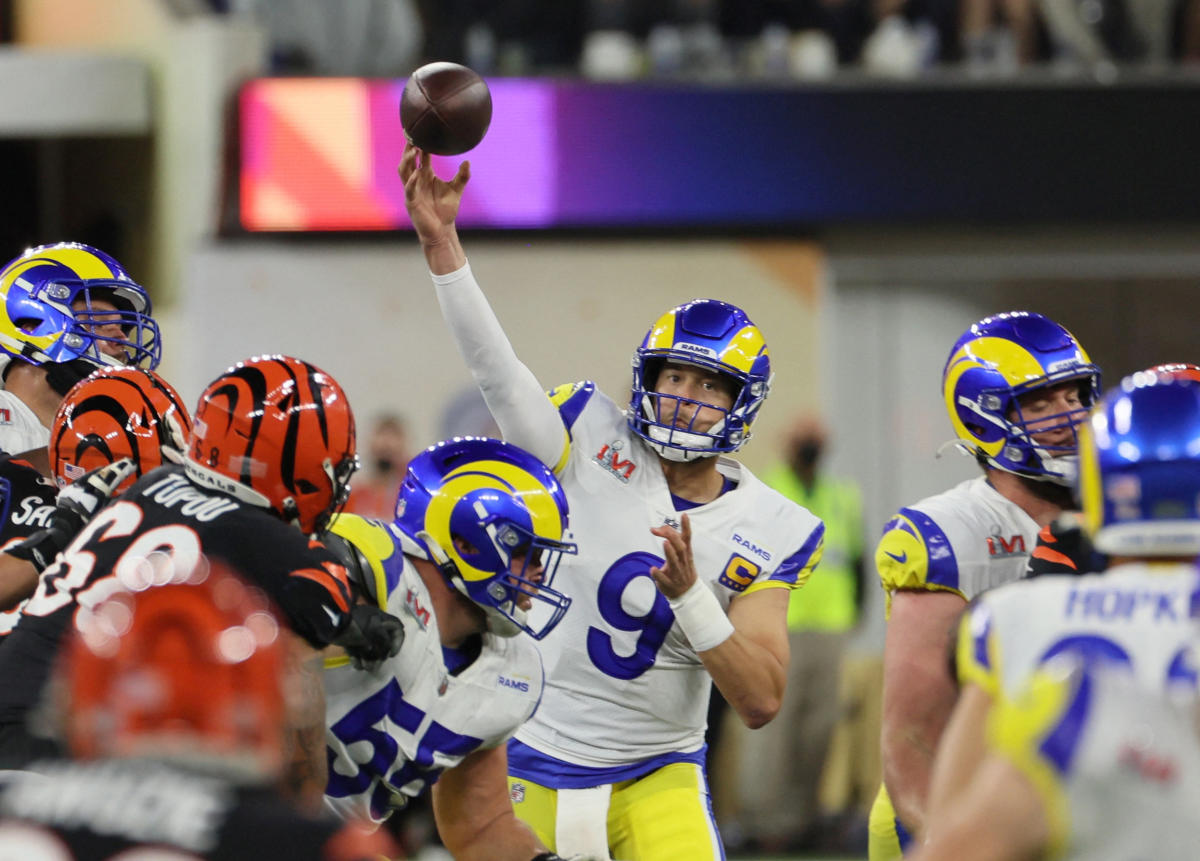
(514, 170)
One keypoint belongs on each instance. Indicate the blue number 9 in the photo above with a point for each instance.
(654, 626)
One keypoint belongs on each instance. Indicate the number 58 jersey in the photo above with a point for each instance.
(391, 731)
(623, 683)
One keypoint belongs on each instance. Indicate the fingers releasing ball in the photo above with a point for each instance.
(445, 108)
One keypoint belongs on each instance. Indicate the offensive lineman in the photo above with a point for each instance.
(1092, 765)
(685, 566)
(468, 567)
(66, 310)
(1136, 613)
(1016, 385)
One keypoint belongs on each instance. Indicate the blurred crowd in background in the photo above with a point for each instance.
(728, 40)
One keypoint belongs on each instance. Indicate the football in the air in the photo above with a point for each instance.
(445, 108)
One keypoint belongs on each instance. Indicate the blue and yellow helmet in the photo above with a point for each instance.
(709, 334)
(1139, 471)
(48, 315)
(493, 518)
(993, 364)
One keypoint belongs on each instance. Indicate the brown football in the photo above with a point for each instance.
(445, 108)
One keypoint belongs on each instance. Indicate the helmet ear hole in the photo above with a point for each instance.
(470, 503)
(114, 413)
(277, 432)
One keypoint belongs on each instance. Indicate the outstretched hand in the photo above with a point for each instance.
(678, 571)
(432, 203)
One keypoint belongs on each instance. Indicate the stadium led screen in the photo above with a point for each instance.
(321, 155)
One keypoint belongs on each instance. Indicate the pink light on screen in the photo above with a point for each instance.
(322, 155)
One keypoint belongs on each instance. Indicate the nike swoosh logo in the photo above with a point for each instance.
(336, 617)
(899, 557)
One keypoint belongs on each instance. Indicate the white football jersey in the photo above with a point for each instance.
(623, 683)
(20, 430)
(392, 731)
(1135, 614)
(1118, 771)
(966, 540)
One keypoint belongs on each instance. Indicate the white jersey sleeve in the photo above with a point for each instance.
(1117, 771)
(20, 430)
(966, 540)
(391, 731)
(1136, 615)
(623, 684)
(513, 394)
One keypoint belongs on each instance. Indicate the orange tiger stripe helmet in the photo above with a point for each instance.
(115, 413)
(278, 433)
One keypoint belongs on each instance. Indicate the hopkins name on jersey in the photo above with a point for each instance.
(627, 685)
(1137, 615)
(391, 731)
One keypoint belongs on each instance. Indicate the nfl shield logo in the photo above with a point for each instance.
(516, 793)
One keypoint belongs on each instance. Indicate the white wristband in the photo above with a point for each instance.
(699, 614)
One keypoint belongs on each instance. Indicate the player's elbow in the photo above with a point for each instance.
(759, 712)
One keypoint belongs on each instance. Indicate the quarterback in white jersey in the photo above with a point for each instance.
(1139, 483)
(474, 546)
(684, 568)
(1083, 764)
(1015, 386)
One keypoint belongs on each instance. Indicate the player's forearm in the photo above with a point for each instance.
(444, 254)
(960, 751)
(749, 676)
(907, 766)
(516, 399)
(305, 768)
(506, 838)
(18, 581)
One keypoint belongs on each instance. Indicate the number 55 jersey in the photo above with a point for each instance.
(392, 730)
(1137, 615)
(624, 686)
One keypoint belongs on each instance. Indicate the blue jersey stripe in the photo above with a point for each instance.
(528, 764)
(790, 569)
(942, 567)
(571, 406)
(1060, 744)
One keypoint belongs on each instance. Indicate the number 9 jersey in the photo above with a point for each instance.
(626, 685)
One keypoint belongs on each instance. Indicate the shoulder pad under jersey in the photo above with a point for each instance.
(362, 545)
(914, 553)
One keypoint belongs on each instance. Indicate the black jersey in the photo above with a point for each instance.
(96, 811)
(164, 512)
(26, 501)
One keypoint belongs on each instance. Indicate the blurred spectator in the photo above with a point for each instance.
(524, 35)
(374, 487)
(369, 38)
(781, 764)
(466, 414)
